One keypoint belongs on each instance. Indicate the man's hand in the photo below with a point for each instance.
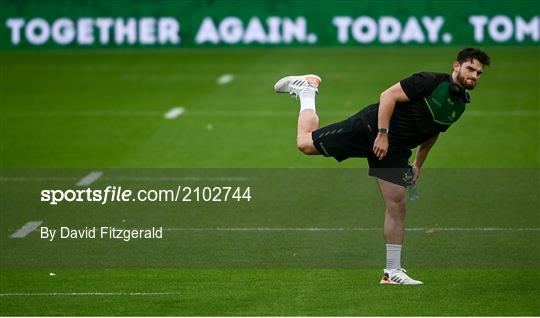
(380, 146)
(416, 173)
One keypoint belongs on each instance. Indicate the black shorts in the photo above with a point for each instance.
(354, 138)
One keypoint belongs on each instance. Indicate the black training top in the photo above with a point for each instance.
(412, 122)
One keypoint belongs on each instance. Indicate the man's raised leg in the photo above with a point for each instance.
(305, 88)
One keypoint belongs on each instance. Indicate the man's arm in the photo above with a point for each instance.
(387, 103)
(421, 155)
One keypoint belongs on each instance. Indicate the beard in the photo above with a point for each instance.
(463, 81)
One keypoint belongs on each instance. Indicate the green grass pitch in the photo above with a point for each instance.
(472, 237)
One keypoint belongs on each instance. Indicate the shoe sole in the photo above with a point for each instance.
(386, 282)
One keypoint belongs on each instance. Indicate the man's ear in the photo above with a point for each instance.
(456, 66)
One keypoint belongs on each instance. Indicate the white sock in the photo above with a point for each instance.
(393, 256)
(307, 98)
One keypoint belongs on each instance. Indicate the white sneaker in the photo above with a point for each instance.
(398, 276)
(295, 84)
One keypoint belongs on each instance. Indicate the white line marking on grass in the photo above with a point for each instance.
(225, 79)
(174, 112)
(341, 229)
(27, 228)
(90, 178)
(91, 294)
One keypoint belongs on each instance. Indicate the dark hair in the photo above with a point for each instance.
(469, 54)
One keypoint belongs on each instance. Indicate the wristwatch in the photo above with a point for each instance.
(384, 130)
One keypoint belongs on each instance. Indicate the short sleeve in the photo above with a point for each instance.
(419, 85)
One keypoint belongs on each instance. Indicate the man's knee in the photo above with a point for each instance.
(307, 148)
(305, 145)
(398, 205)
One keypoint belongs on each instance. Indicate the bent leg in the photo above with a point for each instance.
(308, 121)
(395, 200)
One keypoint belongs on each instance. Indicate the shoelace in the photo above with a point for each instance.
(400, 278)
(300, 86)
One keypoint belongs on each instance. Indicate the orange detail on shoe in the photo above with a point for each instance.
(313, 80)
(385, 280)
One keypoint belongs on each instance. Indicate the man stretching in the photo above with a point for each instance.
(409, 114)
